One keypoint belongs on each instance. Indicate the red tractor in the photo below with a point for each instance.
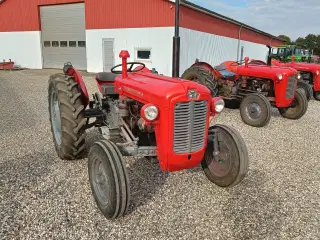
(310, 73)
(140, 113)
(254, 89)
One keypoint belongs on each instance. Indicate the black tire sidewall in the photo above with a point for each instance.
(239, 158)
(95, 153)
(301, 98)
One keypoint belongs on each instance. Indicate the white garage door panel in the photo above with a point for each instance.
(63, 23)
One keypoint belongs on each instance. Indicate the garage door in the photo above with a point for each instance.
(63, 35)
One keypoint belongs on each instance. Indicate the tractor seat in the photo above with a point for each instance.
(106, 76)
(220, 67)
(226, 74)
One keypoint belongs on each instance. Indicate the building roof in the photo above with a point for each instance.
(219, 16)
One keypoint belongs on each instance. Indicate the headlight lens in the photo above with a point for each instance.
(219, 105)
(151, 112)
(299, 76)
(280, 76)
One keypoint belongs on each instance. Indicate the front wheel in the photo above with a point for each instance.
(109, 179)
(255, 110)
(307, 89)
(298, 107)
(226, 160)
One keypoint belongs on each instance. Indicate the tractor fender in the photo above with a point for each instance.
(69, 70)
(204, 65)
(216, 74)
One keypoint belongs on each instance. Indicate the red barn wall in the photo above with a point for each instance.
(22, 15)
(198, 21)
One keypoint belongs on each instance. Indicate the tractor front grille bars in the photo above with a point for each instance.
(189, 126)
(292, 81)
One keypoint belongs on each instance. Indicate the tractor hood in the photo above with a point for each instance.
(156, 89)
(264, 71)
(309, 67)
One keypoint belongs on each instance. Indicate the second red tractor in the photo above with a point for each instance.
(252, 88)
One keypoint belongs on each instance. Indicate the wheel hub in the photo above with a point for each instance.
(101, 182)
(220, 165)
(253, 110)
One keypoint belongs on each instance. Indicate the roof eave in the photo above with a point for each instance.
(219, 16)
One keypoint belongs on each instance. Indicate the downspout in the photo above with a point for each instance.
(176, 42)
(239, 36)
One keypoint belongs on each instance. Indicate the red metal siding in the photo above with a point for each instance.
(22, 15)
(198, 21)
(102, 14)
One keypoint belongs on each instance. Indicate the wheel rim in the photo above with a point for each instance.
(253, 110)
(55, 117)
(220, 165)
(101, 183)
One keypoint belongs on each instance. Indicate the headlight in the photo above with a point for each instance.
(218, 104)
(299, 76)
(317, 72)
(151, 112)
(280, 76)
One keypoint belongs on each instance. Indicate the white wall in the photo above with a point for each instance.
(254, 50)
(24, 48)
(159, 39)
(214, 49)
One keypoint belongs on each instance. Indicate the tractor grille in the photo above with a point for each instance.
(189, 126)
(292, 81)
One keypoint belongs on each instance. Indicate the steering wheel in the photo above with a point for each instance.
(128, 69)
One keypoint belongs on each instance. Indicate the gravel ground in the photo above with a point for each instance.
(43, 197)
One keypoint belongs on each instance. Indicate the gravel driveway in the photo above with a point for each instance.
(43, 197)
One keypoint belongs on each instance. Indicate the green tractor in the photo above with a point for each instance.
(285, 52)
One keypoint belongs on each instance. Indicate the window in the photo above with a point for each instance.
(81, 43)
(143, 54)
(47, 44)
(72, 43)
(274, 50)
(63, 43)
(55, 43)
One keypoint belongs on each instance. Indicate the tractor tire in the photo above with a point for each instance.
(201, 76)
(298, 108)
(109, 180)
(316, 95)
(231, 164)
(306, 88)
(66, 115)
(255, 110)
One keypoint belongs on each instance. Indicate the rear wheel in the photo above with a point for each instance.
(306, 88)
(109, 179)
(226, 159)
(255, 110)
(66, 115)
(298, 107)
(201, 76)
